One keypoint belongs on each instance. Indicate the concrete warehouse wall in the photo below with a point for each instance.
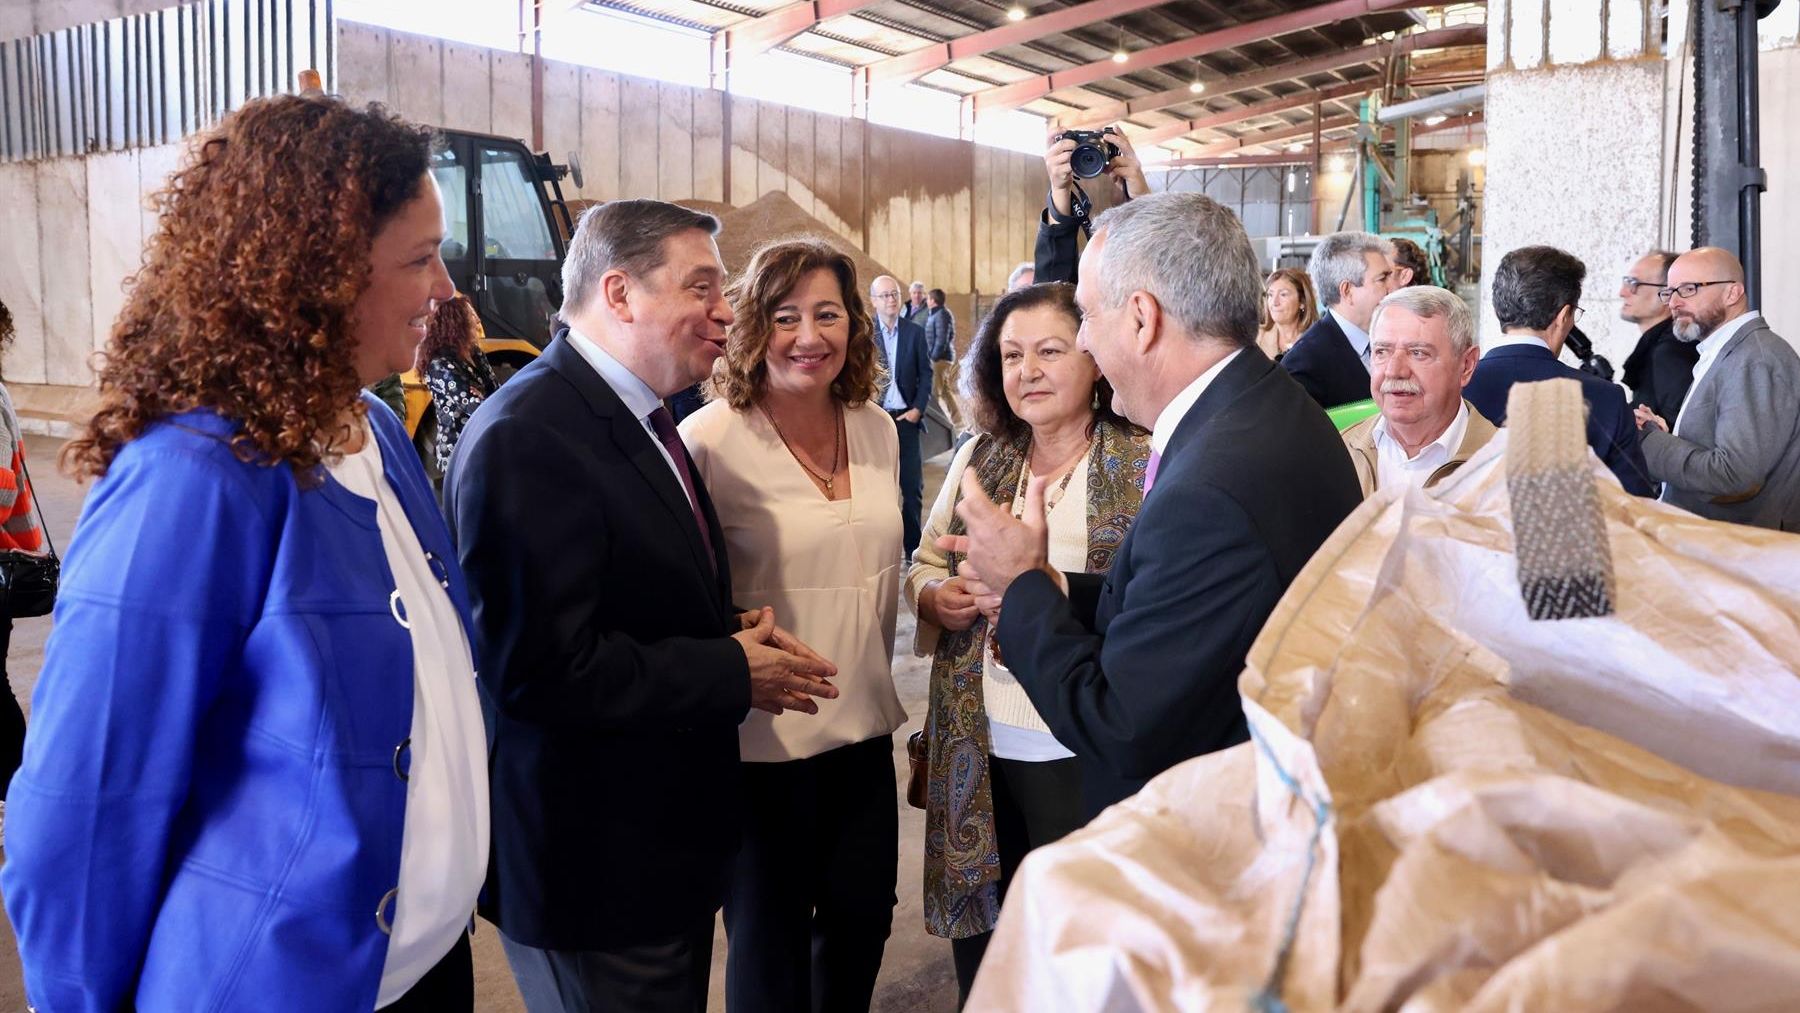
(951, 213)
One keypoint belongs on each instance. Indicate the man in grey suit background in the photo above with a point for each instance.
(1734, 454)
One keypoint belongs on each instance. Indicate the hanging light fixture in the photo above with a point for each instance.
(1434, 120)
(1295, 149)
(1196, 85)
(1477, 156)
(1015, 13)
(1119, 55)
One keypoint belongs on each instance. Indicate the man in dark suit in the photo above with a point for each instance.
(900, 345)
(615, 669)
(1536, 294)
(1353, 271)
(1137, 670)
(1661, 368)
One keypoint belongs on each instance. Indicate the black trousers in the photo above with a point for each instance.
(1035, 803)
(668, 976)
(812, 893)
(912, 482)
(446, 988)
(12, 718)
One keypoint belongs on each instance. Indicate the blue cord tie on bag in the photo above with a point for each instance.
(1268, 998)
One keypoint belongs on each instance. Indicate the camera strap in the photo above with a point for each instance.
(1082, 207)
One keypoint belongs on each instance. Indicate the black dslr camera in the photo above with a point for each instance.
(1093, 152)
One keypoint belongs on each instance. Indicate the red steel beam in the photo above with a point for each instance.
(759, 35)
(911, 66)
(1229, 116)
(1011, 96)
(1113, 112)
(1275, 136)
(1303, 158)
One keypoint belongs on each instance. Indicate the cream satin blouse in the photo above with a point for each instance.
(830, 570)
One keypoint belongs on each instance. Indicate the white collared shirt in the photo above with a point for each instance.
(1710, 347)
(1520, 339)
(890, 342)
(639, 399)
(1176, 410)
(1393, 468)
(1359, 338)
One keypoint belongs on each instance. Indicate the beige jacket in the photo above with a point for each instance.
(1359, 439)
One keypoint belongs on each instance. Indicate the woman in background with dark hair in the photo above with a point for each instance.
(1411, 267)
(804, 470)
(18, 530)
(999, 783)
(257, 773)
(456, 372)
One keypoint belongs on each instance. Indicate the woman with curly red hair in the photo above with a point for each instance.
(256, 776)
(804, 470)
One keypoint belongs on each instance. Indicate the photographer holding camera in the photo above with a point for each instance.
(1074, 155)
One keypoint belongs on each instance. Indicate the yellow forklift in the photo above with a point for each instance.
(506, 223)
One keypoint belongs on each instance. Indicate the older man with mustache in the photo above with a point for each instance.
(1734, 452)
(1421, 354)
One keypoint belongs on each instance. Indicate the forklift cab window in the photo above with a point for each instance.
(453, 182)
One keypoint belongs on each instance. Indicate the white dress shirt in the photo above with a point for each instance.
(1709, 354)
(639, 399)
(444, 840)
(1393, 468)
(1172, 414)
(1359, 338)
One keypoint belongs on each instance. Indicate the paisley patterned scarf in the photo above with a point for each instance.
(962, 858)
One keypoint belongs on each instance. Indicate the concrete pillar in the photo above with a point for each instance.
(1575, 159)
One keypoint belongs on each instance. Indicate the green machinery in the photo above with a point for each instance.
(1391, 209)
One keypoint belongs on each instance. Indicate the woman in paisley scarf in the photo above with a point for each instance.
(456, 371)
(1000, 784)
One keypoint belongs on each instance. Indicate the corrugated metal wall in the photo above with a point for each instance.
(150, 78)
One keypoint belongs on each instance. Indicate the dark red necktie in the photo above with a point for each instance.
(664, 424)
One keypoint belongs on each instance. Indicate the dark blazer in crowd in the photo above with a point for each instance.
(940, 335)
(913, 372)
(615, 690)
(1325, 363)
(1661, 369)
(1612, 431)
(1136, 670)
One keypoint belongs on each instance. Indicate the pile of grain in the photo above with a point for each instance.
(775, 216)
(772, 216)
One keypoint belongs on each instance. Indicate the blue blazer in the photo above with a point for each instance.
(1327, 366)
(1137, 670)
(210, 810)
(1611, 430)
(913, 372)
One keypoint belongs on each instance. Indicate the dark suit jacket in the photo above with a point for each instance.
(1137, 669)
(614, 692)
(1611, 430)
(913, 372)
(1057, 255)
(1327, 365)
(1661, 369)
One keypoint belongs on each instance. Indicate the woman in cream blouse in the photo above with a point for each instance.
(804, 471)
(1000, 784)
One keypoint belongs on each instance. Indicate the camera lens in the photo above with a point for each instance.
(1087, 161)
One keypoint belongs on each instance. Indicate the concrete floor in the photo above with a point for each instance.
(915, 975)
